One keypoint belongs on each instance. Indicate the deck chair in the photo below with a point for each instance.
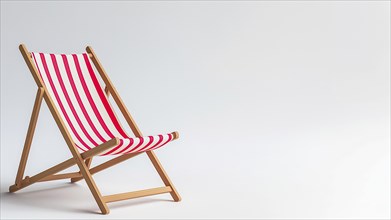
(88, 123)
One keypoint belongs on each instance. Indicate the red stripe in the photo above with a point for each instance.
(169, 139)
(89, 97)
(160, 140)
(131, 150)
(155, 146)
(116, 148)
(121, 142)
(150, 142)
(60, 103)
(131, 142)
(65, 92)
(103, 97)
(76, 92)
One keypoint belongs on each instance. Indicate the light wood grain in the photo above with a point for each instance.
(30, 135)
(136, 194)
(159, 168)
(60, 176)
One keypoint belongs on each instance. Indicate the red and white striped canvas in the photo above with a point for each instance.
(84, 107)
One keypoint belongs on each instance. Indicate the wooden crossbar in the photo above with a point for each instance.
(60, 176)
(99, 149)
(136, 194)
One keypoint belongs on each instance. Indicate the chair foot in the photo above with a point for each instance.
(13, 188)
(176, 197)
(105, 212)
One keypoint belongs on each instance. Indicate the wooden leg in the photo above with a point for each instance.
(29, 136)
(159, 168)
(85, 172)
(91, 184)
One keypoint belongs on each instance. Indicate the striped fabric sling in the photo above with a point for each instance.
(84, 106)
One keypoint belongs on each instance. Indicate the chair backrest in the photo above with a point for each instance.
(73, 86)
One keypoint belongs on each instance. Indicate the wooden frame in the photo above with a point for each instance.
(83, 160)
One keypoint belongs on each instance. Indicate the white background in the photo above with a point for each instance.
(283, 107)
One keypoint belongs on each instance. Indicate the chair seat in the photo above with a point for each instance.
(84, 107)
(141, 144)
